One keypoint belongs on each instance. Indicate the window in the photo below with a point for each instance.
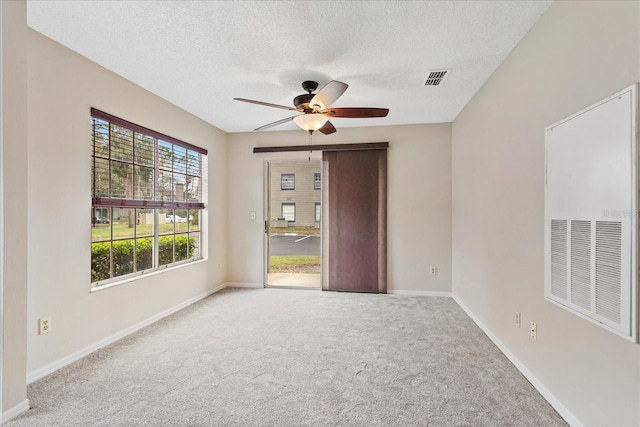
(288, 181)
(317, 181)
(317, 212)
(289, 211)
(147, 199)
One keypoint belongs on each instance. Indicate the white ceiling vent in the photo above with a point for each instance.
(437, 77)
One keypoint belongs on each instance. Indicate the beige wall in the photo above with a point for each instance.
(14, 202)
(62, 87)
(577, 54)
(419, 200)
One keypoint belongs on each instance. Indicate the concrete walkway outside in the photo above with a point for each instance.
(298, 280)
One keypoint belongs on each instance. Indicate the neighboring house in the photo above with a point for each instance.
(295, 194)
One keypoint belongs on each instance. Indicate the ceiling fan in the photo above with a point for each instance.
(316, 110)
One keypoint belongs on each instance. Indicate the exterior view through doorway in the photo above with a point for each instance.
(292, 223)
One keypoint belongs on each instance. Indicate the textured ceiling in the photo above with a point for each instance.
(201, 54)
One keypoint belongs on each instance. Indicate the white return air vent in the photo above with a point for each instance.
(591, 208)
(437, 77)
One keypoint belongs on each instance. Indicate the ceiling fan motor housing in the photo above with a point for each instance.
(301, 102)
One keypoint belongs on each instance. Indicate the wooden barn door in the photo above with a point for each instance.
(354, 223)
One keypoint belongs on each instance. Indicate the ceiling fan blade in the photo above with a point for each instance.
(356, 113)
(327, 128)
(266, 104)
(279, 122)
(328, 95)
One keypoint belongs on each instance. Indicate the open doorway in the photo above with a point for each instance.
(293, 223)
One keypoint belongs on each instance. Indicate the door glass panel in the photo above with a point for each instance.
(294, 231)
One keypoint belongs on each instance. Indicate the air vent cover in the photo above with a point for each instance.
(559, 258)
(437, 77)
(591, 228)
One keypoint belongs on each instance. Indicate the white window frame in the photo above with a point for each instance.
(288, 181)
(294, 211)
(192, 166)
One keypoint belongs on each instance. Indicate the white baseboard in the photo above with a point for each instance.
(244, 285)
(544, 391)
(419, 293)
(10, 414)
(52, 367)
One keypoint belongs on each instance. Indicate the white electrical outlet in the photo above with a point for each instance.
(518, 318)
(44, 325)
(434, 271)
(253, 216)
(534, 330)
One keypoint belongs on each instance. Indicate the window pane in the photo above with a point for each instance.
(317, 181)
(101, 138)
(143, 188)
(121, 144)
(165, 186)
(124, 221)
(145, 150)
(144, 253)
(192, 190)
(165, 221)
(194, 220)
(179, 159)
(121, 180)
(289, 211)
(122, 257)
(100, 261)
(179, 183)
(317, 212)
(144, 222)
(182, 247)
(193, 163)
(165, 250)
(181, 220)
(165, 151)
(100, 177)
(100, 224)
(194, 245)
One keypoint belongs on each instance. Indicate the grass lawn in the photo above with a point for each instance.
(295, 264)
(122, 229)
(310, 231)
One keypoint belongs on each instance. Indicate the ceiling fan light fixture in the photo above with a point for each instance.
(311, 122)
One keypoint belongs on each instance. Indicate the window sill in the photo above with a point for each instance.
(145, 275)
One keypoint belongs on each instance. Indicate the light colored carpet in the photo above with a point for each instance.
(280, 357)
